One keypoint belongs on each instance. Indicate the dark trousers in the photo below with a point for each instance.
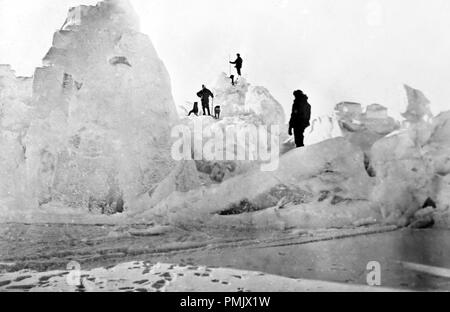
(238, 70)
(206, 107)
(299, 136)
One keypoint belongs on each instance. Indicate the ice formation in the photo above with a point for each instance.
(418, 106)
(15, 116)
(412, 166)
(321, 129)
(93, 129)
(102, 112)
(245, 99)
(324, 185)
(363, 169)
(244, 109)
(361, 127)
(365, 128)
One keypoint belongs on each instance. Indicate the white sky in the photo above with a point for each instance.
(334, 50)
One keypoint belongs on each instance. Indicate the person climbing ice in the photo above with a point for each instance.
(204, 95)
(238, 64)
(300, 117)
(194, 110)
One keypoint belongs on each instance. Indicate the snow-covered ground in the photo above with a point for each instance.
(160, 277)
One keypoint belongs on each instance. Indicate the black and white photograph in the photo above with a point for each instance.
(224, 146)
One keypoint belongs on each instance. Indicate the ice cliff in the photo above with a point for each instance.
(15, 117)
(102, 110)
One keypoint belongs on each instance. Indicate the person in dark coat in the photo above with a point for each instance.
(300, 118)
(238, 64)
(204, 95)
(194, 110)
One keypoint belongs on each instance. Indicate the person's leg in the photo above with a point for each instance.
(239, 71)
(204, 109)
(299, 137)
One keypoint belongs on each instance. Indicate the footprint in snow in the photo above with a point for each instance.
(159, 284)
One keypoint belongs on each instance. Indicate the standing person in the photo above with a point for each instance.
(204, 95)
(300, 118)
(239, 61)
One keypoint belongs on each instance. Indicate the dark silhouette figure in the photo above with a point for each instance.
(232, 80)
(194, 110)
(217, 112)
(238, 64)
(300, 118)
(204, 95)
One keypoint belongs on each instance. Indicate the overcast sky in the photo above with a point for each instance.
(334, 50)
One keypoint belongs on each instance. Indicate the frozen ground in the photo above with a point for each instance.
(199, 258)
(148, 277)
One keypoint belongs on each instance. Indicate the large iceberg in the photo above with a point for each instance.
(102, 112)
